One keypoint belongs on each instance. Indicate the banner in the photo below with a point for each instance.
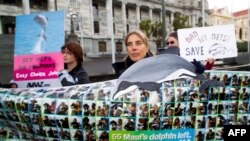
(88, 112)
(208, 42)
(37, 48)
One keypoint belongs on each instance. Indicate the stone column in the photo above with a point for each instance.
(138, 16)
(190, 20)
(171, 27)
(26, 6)
(124, 18)
(171, 18)
(151, 13)
(193, 20)
(91, 18)
(1, 31)
(51, 5)
(161, 15)
(108, 10)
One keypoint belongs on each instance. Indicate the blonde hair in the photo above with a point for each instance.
(144, 38)
(141, 35)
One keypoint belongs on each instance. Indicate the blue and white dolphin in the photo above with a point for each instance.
(37, 49)
(41, 20)
(149, 73)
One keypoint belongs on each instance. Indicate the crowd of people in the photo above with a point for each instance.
(138, 48)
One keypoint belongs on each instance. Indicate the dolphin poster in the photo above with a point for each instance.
(38, 40)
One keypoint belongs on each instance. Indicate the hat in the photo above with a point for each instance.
(12, 81)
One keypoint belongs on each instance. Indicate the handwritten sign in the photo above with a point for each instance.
(38, 67)
(207, 42)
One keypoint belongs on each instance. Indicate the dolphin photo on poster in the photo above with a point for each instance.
(37, 53)
(39, 33)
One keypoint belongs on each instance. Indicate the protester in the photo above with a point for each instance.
(13, 84)
(172, 41)
(73, 73)
(138, 48)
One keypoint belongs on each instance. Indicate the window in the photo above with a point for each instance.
(73, 3)
(118, 46)
(96, 27)
(8, 24)
(12, 2)
(127, 15)
(38, 4)
(113, 8)
(76, 22)
(127, 28)
(102, 47)
(95, 9)
(240, 34)
(114, 28)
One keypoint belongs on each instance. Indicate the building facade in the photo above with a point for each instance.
(241, 25)
(92, 19)
(222, 16)
(219, 16)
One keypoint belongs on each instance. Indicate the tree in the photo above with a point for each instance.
(145, 26)
(180, 21)
(152, 30)
(156, 30)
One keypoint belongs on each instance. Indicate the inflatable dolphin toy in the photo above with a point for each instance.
(149, 73)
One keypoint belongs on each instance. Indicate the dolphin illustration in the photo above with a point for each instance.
(38, 46)
(217, 49)
(41, 20)
(149, 73)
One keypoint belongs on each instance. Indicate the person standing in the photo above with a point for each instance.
(73, 73)
(172, 41)
(138, 48)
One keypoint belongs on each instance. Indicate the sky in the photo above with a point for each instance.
(235, 5)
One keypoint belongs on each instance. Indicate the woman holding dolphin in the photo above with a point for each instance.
(138, 48)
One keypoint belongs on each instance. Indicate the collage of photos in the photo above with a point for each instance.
(87, 112)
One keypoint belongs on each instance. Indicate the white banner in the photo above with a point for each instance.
(208, 42)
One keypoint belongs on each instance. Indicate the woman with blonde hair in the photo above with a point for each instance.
(138, 48)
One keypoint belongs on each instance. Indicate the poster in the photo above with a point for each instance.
(208, 42)
(88, 112)
(38, 41)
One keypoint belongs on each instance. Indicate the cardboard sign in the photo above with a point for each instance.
(38, 41)
(208, 42)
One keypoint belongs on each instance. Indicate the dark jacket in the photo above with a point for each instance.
(120, 67)
(76, 76)
(199, 68)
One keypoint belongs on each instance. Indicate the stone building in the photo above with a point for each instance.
(91, 18)
(91, 22)
(222, 16)
(241, 25)
(219, 16)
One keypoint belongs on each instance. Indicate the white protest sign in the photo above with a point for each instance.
(208, 42)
